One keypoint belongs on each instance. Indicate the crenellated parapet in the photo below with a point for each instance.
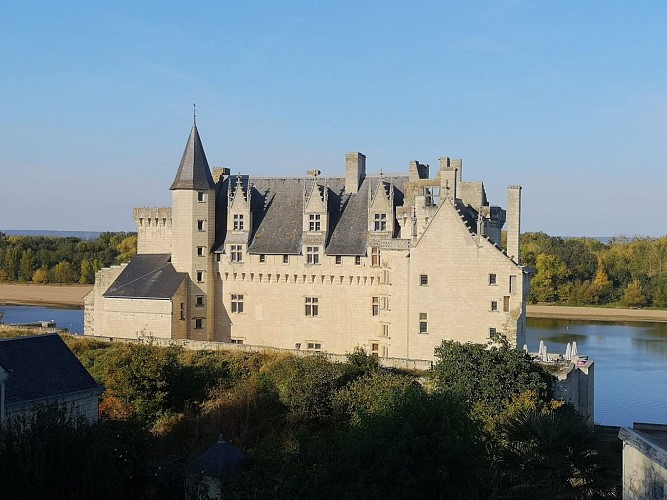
(154, 229)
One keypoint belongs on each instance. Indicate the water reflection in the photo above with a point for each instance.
(630, 364)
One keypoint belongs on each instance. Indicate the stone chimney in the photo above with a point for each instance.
(514, 223)
(449, 177)
(355, 171)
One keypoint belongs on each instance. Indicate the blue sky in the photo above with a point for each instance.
(566, 98)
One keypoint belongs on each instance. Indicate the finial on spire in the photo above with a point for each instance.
(194, 113)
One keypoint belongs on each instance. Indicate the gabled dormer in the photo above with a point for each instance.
(381, 217)
(239, 215)
(315, 208)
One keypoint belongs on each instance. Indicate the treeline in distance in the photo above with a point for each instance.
(42, 259)
(584, 271)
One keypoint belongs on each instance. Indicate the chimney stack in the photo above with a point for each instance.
(514, 223)
(355, 171)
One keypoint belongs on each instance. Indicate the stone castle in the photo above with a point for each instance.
(394, 264)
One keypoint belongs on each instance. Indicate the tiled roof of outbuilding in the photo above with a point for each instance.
(148, 276)
(42, 367)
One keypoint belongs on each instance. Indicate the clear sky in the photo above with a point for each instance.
(566, 98)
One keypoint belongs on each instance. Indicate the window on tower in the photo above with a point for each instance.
(238, 222)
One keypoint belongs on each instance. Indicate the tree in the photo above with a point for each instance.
(551, 455)
(27, 266)
(488, 376)
(87, 272)
(127, 248)
(551, 274)
(633, 296)
(64, 272)
(41, 276)
(13, 262)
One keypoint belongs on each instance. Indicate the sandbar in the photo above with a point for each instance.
(52, 295)
(596, 313)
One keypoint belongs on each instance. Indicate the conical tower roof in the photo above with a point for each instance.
(193, 172)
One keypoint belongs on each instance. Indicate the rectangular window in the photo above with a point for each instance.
(313, 255)
(512, 284)
(199, 300)
(339, 260)
(423, 279)
(494, 305)
(432, 196)
(506, 303)
(375, 306)
(237, 341)
(312, 307)
(423, 323)
(314, 346)
(237, 253)
(492, 279)
(314, 222)
(285, 259)
(357, 260)
(200, 225)
(182, 310)
(375, 256)
(218, 257)
(200, 251)
(238, 222)
(375, 348)
(199, 323)
(262, 258)
(200, 276)
(237, 303)
(385, 351)
(385, 303)
(380, 222)
(492, 332)
(385, 330)
(201, 196)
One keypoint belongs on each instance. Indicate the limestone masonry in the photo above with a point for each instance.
(395, 264)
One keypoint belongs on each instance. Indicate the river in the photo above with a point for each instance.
(630, 358)
(630, 364)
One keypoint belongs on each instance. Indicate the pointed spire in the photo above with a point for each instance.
(193, 172)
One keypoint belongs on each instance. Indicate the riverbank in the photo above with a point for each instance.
(72, 295)
(47, 295)
(596, 313)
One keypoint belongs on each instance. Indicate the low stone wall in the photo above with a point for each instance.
(36, 330)
(201, 345)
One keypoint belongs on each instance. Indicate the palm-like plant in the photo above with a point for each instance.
(551, 455)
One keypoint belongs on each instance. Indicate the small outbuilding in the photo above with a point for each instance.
(206, 474)
(41, 369)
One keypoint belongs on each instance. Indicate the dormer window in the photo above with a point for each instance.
(236, 253)
(238, 222)
(432, 196)
(313, 255)
(380, 221)
(314, 222)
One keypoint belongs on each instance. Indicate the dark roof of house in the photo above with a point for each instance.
(277, 207)
(219, 460)
(42, 366)
(193, 172)
(147, 276)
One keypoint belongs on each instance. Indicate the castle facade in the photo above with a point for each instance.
(394, 264)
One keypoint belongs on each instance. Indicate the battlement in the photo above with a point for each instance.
(153, 216)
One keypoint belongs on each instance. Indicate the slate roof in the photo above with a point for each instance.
(277, 206)
(42, 366)
(147, 276)
(193, 172)
(219, 460)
